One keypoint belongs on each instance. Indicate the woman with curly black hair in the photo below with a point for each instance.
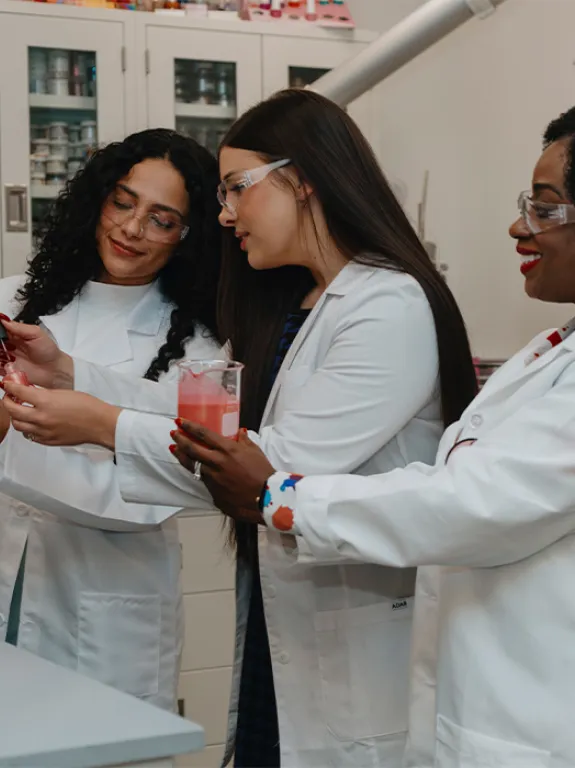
(125, 276)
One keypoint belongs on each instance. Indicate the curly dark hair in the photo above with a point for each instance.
(67, 256)
(563, 127)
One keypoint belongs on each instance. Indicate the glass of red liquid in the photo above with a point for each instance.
(209, 394)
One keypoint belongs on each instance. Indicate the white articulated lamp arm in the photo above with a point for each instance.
(417, 32)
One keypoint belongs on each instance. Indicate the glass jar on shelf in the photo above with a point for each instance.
(58, 72)
(88, 132)
(205, 83)
(183, 81)
(76, 151)
(224, 86)
(55, 167)
(91, 83)
(38, 131)
(38, 169)
(40, 147)
(78, 75)
(57, 179)
(74, 133)
(38, 70)
(59, 149)
(58, 131)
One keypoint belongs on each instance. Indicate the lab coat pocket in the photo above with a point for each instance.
(119, 640)
(461, 748)
(291, 383)
(364, 667)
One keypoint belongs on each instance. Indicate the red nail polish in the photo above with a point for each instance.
(173, 434)
(4, 317)
(179, 422)
(173, 448)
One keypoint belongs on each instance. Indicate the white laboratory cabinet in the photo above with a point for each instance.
(60, 68)
(72, 79)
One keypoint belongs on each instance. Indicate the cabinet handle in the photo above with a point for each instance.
(16, 197)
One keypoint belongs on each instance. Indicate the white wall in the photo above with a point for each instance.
(472, 110)
(379, 15)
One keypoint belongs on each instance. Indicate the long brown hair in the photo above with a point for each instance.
(366, 223)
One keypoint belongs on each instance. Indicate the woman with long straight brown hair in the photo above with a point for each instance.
(356, 357)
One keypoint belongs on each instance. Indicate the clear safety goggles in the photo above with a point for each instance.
(230, 189)
(539, 216)
(157, 227)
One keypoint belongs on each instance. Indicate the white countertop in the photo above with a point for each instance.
(51, 717)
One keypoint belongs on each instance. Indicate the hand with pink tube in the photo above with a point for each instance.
(33, 353)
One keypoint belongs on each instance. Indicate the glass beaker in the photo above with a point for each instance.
(209, 394)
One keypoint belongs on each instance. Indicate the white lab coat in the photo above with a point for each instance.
(495, 614)
(357, 392)
(101, 591)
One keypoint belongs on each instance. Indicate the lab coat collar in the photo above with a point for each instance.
(112, 345)
(504, 385)
(149, 313)
(347, 279)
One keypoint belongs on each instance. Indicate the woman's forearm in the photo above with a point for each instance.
(64, 372)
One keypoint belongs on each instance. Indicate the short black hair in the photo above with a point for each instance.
(563, 127)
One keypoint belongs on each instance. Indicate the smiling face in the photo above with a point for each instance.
(141, 223)
(548, 257)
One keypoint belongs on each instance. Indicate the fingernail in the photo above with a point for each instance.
(173, 448)
(173, 434)
(5, 317)
(244, 431)
(179, 422)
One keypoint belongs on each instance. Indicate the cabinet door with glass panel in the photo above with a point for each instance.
(292, 62)
(199, 80)
(61, 82)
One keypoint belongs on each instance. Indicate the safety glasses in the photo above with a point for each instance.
(539, 217)
(230, 189)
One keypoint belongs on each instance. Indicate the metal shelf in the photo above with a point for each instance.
(45, 191)
(49, 101)
(210, 111)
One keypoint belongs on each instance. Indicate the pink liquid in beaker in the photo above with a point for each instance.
(205, 402)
